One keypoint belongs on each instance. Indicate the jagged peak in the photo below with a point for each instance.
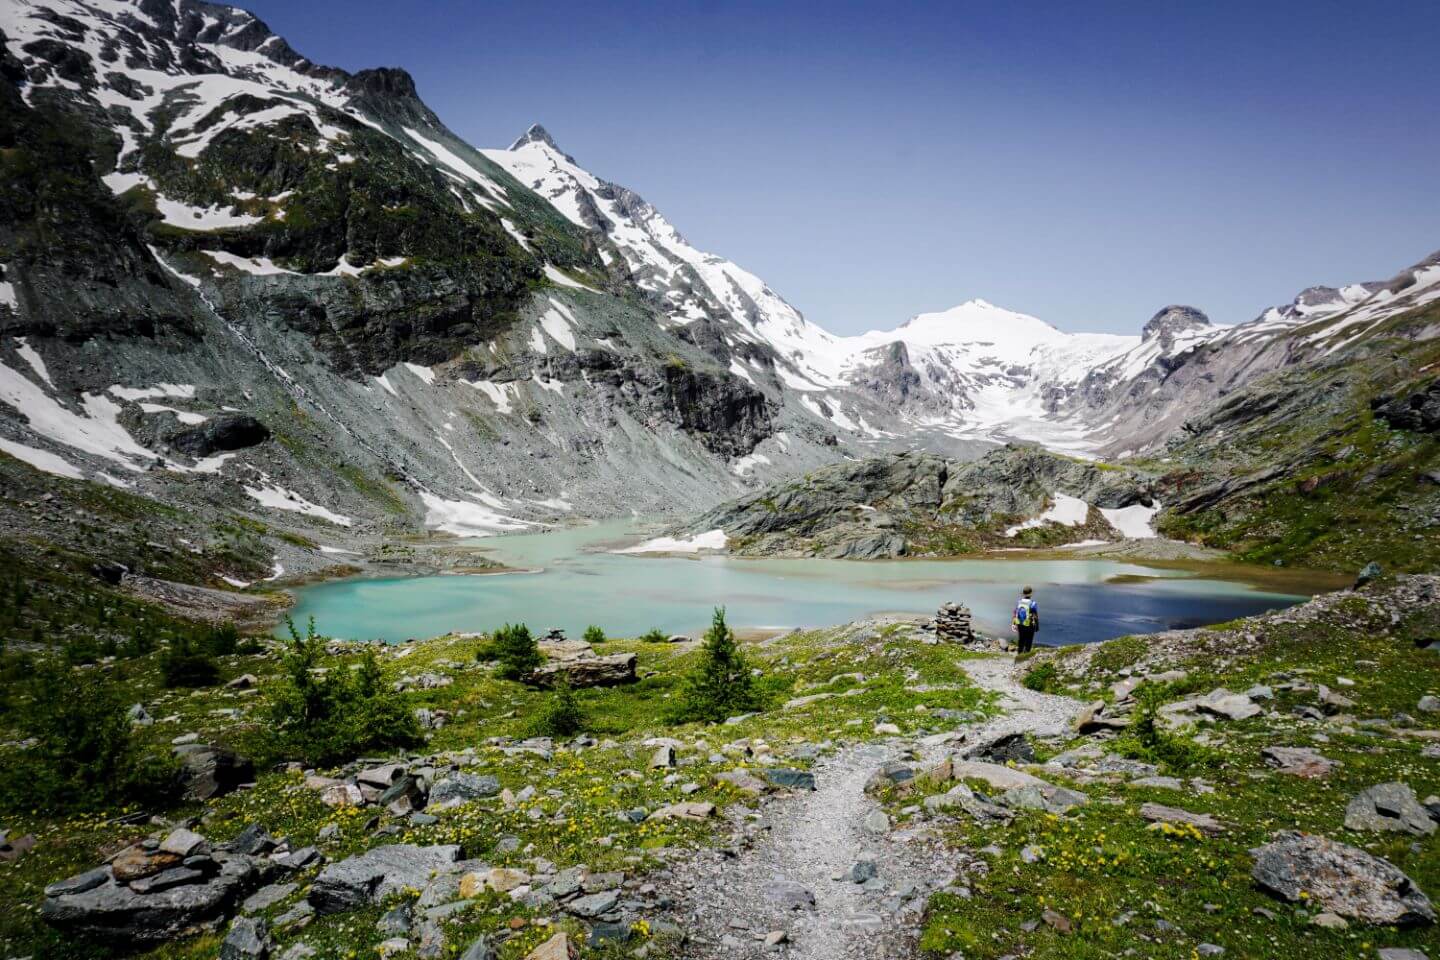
(1174, 319)
(536, 134)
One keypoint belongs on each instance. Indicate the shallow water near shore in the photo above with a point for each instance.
(570, 581)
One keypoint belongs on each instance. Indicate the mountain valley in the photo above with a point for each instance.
(270, 328)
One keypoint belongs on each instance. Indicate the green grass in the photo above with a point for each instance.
(1113, 878)
(904, 682)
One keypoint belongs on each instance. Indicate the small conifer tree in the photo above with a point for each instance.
(719, 685)
(517, 652)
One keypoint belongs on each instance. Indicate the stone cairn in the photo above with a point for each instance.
(952, 622)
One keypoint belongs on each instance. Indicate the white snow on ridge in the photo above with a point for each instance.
(556, 276)
(424, 373)
(559, 323)
(1133, 522)
(256, 266)
(743, 465)
(37, 362)
(179, 214)
(1067, 511)
(7, 295)
(42, 460)
(709, 540)
(184, 416)
(447, 157)
(278, 498)
(464, 518)
(499, 393)
(183, 391)
(95, 431)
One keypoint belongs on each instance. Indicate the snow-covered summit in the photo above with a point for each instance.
(688, 284)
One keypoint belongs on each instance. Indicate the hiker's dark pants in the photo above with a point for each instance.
(1027, 638)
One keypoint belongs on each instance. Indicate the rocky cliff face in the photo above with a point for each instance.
(920, 504)
(199, 225)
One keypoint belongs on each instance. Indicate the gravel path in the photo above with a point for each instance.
(729, 900)
(1038, 714)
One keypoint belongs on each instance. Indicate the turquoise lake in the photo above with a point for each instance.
(577, 583)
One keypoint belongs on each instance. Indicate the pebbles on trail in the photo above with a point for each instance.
(814, 873)
(824, 866)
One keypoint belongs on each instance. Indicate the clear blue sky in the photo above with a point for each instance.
(1087, 163)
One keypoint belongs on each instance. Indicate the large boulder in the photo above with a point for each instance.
(1009, 748)
(96, 904)
(208, 770)
(375, 874)
(608, 671)
(461, 788)
(235, 431)
(1389, 806)
(1158, 813)
(1299, 761)
(997, 775)
(1341, 879)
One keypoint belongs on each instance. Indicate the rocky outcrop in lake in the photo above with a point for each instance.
(917, 504)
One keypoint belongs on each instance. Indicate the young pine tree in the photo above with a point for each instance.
(719, 685)
(516, 651)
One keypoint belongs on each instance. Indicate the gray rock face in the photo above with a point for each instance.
(594, 905)
(235, 431)
(1341, 879)
(461, 788)
(1299, 761)
(1389, 807)
(207, 770)
(791, 779)
(1170, 321)
(1011, 747)
(377, 873)
(1046, 797)
(858, 509)
(161, 913)
(608, 671)
(1417, 411)
(1158, 813)
(248, 939)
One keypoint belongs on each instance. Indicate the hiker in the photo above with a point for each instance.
(1026, 620)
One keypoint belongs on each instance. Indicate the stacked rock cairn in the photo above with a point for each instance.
(952, 622)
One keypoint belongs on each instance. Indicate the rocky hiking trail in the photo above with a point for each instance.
(823, 871)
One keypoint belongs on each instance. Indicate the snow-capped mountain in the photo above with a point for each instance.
(237, 279)
(688, 284)
(974, 372)
(1136, 399)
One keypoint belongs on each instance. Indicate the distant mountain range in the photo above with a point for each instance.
(235, 279)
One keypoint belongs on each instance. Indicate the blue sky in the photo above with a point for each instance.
(1087, 163)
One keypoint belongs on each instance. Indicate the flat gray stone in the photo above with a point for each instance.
(372, 876)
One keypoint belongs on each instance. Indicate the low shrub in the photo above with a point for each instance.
(654, 635)
(1146, 740)
(325, 717)
(188, 662)
(594, 634)
(85, 753)
(560, 715)
(1043, 678)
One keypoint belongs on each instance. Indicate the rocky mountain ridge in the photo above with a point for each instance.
(378, 328)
